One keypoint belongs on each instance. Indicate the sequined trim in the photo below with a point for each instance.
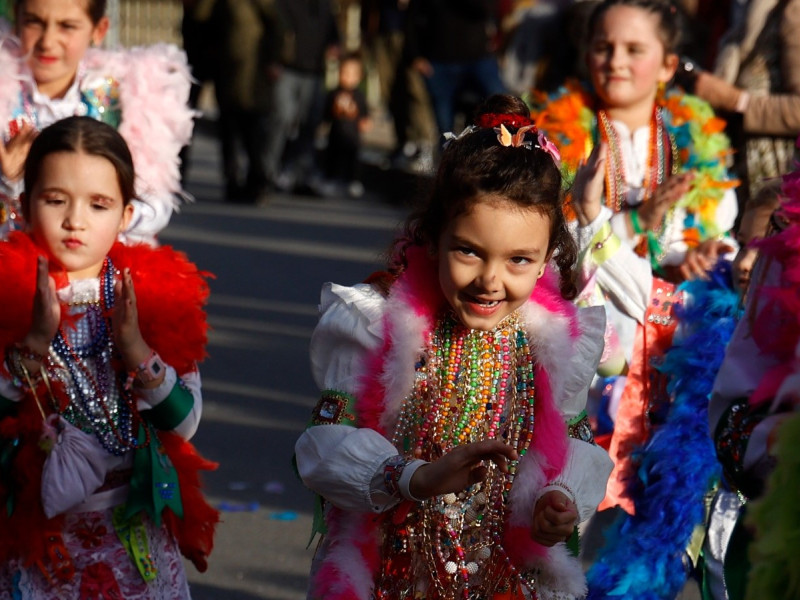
(392, 471)
(579, 428)
(732, 436)
(334, 408)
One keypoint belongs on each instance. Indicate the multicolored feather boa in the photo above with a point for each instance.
(569, 118)
(169, 290)
(353, 543)
(775, 561)
(643, 555)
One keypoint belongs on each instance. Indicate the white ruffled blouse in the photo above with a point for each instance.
(345, 464)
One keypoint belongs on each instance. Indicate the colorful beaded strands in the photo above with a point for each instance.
(83, 362)
(662, 161)
(472, 385)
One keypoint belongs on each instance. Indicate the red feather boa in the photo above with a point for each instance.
(170, 296)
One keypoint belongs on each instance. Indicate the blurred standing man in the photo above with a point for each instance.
(310, 38)
(452, 43)
(402, 87)
(250, 32)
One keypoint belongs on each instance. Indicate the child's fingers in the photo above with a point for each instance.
(42, 274)
(559, 517)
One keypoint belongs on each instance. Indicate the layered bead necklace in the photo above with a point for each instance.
(471, 385)
(81, 359)
(662, 161)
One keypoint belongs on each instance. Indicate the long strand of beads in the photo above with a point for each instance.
(97, 403)
(452, 542)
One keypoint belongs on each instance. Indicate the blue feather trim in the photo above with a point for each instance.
(644, 555)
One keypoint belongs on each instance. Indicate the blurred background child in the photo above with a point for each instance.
(346, 115)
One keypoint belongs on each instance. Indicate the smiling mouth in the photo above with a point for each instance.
(483, 303)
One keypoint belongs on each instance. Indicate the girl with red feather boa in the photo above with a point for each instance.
(99, 389)
(449, 445)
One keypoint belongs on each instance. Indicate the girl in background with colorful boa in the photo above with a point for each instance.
(651, 202)
(51, 68)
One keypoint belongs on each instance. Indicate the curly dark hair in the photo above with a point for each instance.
(477, 165)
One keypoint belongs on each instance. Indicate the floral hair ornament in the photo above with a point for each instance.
(517, 140)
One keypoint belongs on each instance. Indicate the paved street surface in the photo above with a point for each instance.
(270, 262)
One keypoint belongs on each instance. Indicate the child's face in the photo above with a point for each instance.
(490, 259)
(626, 58)
(752, 227)
(55, 35)
(350, 74)
(76, 211)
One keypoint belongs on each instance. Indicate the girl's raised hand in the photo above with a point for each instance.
(46, 310)
(460, 468)
(651, 213)
(15, 151)
(587, 191)
(700, 260)
(125, 323)
(554, 518)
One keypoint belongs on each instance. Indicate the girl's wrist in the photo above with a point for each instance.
(149, 373)
(135, 354)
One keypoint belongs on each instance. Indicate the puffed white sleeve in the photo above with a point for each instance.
(608, 261)
(588, 466)
(338, 461)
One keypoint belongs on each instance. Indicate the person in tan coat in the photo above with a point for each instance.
(757, 80)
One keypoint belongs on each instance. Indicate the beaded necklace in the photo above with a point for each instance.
(662, 160)
(83, 362)
(471, 385)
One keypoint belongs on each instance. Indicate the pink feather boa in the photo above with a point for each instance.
(351, 563)
(776, 329)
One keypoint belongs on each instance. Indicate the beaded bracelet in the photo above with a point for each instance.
(29, 353)
(392, 471)
(15, 366)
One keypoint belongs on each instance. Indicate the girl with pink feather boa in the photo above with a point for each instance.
(50, 69)
(450, 446)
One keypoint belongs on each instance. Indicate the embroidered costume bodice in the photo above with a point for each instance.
(470, 385)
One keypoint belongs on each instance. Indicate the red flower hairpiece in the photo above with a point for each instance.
(492, 120)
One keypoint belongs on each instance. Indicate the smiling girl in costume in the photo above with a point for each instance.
(99, 388)
(651, 199)
(448, 445)
(50, 69)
